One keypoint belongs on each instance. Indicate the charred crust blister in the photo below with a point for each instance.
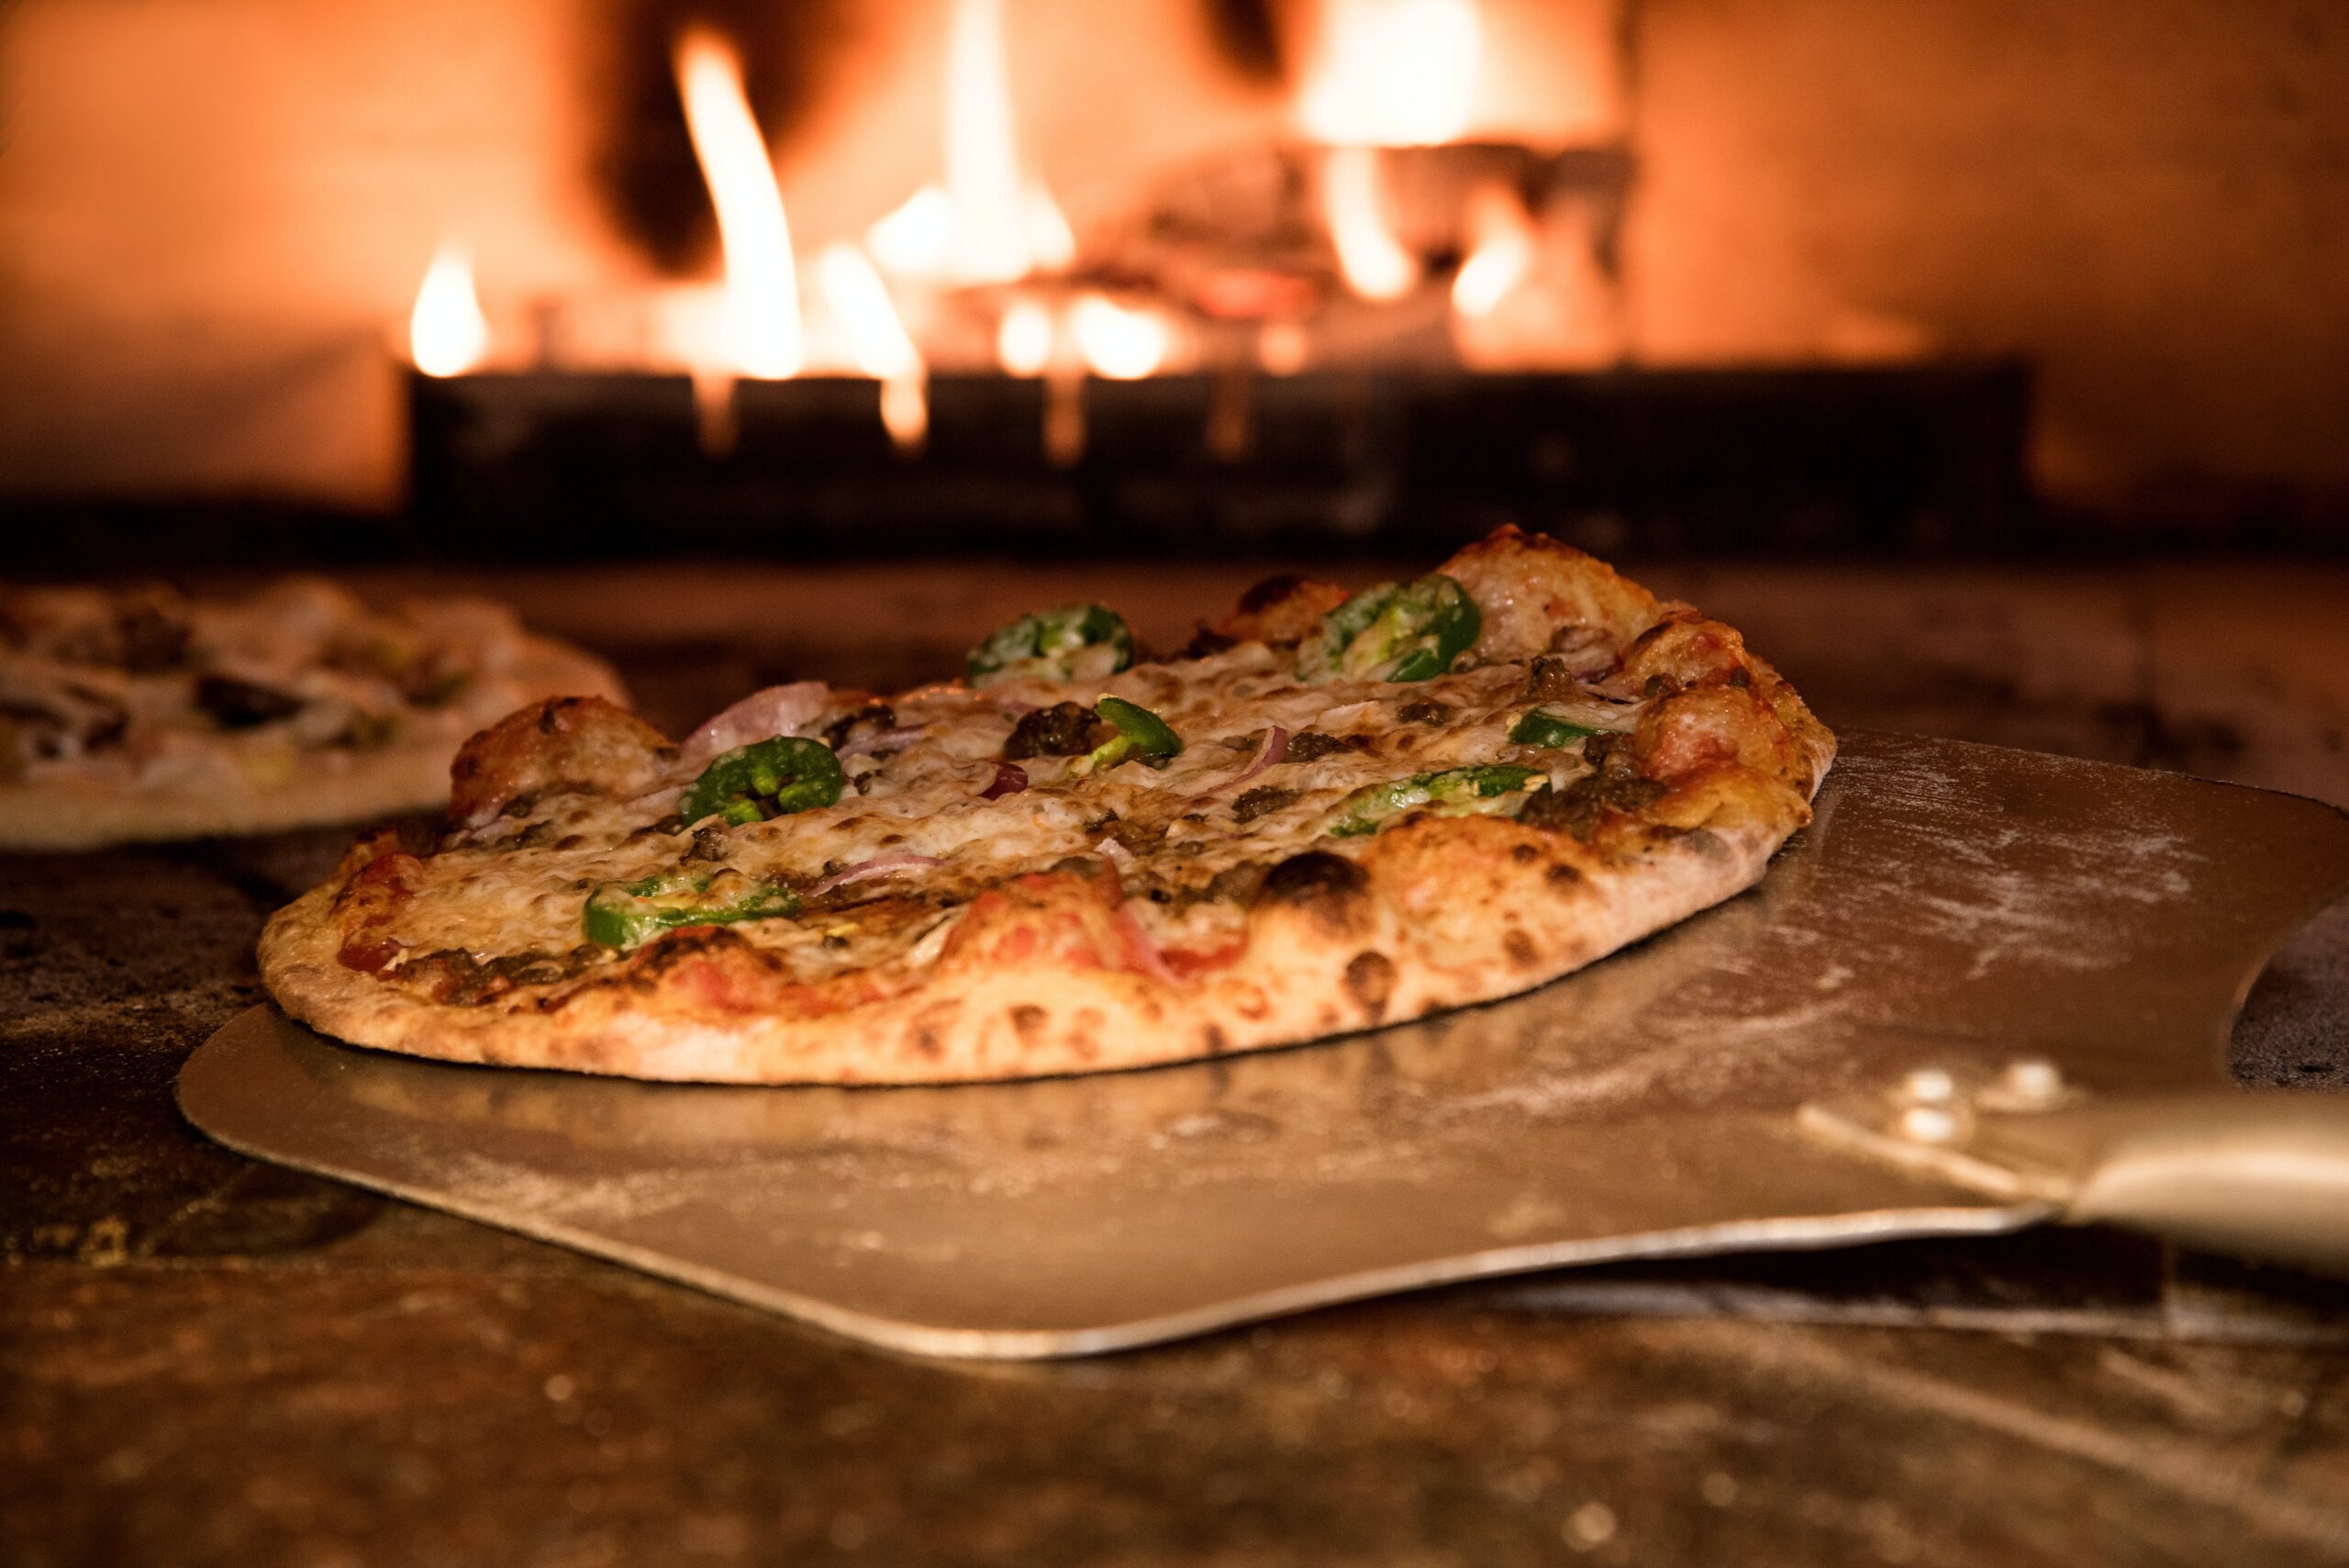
(1271, 590)
(1239, 884)
(1206, 642)
(1329, 889)
(1370, 980)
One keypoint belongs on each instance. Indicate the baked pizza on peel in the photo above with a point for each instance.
(139, 714)
(1330, 812)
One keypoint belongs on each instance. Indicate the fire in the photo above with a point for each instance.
(1393, 73)
(762, 335)
(446, 334)
(1023, 339)
(996, 217)
(1116, 342)
(1503, 254)
(991, 222)
(1386, 74)
(878, 340)
(1374, 263)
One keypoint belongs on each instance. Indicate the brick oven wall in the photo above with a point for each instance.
(213, 213)
(2148, 197)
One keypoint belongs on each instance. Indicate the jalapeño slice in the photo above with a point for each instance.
(1071, 642)
(1142, 736)
(1396, 631)
(1539, 727)
(767, 778)
(627, 914)
(1483, 791)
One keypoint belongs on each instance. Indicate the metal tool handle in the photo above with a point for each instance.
(2261, 1173)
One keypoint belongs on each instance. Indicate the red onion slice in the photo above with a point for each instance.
(1275, 746)
(777, 710)
(1010, 778)
(880, 865)
(1142, 953)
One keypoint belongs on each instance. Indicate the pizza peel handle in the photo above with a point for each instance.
(2263, 1174)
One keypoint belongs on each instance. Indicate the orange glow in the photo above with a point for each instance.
(1023, 339)
(762, 336)
(1052, 244)
(878, 340)
(1281, 348)
(912, 238)
(991, 222)
(986, 241)
(996, 215)
(446, 334)
(1373, 264)
(1393, 73)
(1503, 253)
(1116, 342)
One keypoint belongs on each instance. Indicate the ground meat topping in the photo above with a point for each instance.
(1262, 801)
(1311, 745)
(1579, 807)
(1063, 729)
(1551, 679)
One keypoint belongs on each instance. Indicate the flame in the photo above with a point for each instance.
(1281, 348)
(1393, 73)
(991, 222)
(985, 196)
(1116, 342)
(1504, 254)
(878, 340)
(912, 238)
(1373, 264)
(1052, 244)
(763, 336)
(1023, 339)
(446, 334)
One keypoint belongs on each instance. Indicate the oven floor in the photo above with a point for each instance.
(207, 1360)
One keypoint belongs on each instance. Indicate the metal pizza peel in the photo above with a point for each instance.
(1985, 990)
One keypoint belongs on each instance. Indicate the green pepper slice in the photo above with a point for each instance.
(1541, 727)
(1071, 642)
(1140, 736)
(628, 914)
(1454, 792)
(1396, 631)
(767, 778)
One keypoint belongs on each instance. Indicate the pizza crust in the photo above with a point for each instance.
(326, 787)
(1309, 972)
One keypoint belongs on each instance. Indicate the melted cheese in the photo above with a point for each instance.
(1169, 830)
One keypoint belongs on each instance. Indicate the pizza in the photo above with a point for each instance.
(1329, 812)
(140, 714)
